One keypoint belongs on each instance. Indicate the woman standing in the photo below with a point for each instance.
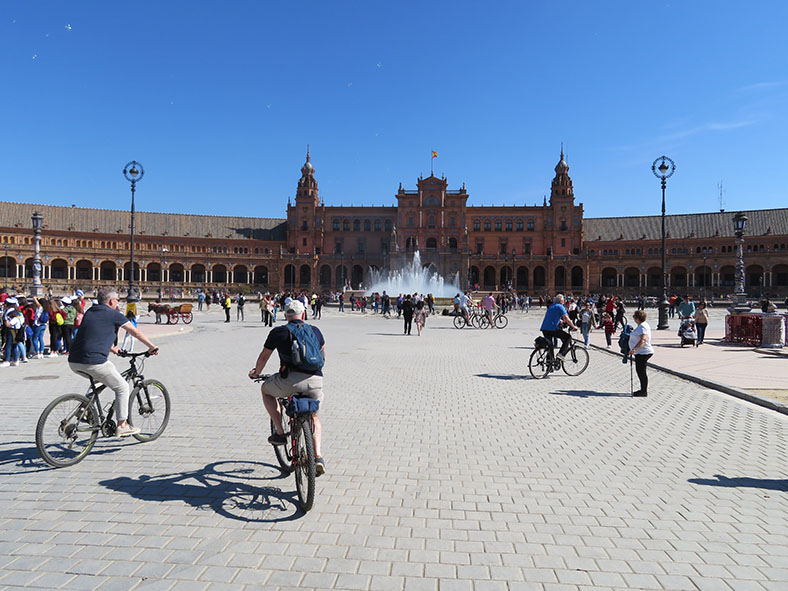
(701, 321)
(640, 348)
(420, 317)
(586, 322)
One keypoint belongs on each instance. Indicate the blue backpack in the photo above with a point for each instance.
(623, 341)
(305, 354)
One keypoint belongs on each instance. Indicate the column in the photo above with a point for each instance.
(691, 279)
(230, 276)
(209, 275)
(187, 275)
(47, 272)
(619, 280)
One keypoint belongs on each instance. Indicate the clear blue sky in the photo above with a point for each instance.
(218, 101)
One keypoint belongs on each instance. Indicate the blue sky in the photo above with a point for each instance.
(218, 101)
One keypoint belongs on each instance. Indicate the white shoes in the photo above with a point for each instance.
(127, 430)
(5, 364)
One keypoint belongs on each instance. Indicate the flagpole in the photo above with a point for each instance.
(432, 164)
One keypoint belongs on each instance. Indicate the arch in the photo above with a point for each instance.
(197, 273)
(260, 275)
(530, 225)
(609, 277)
(59, 269)
(411, 244)
(377, 225)
(108, 271)
(577, 278)
(506, 275)
(728, 276)
(28, 270)
(473, 275)
(304, 276)
(703, 276)
(654, 277)
(219, 273)
(367, 225)
(780, 276)
(753, 276)
(678, 277)
(346, 225)
(631, 277)
(290, 276)
(477, 225)
(356, 225)
(560, 277)
(127, 270)
(240, 274)
(356, 276)
(452, 243)
(340, 276)
(489, 277)
(540, 277)
(522, 277)
(432, 243)
(325, 276)
(10, 264)
(176, 273)
(487, 225)
(152, 272)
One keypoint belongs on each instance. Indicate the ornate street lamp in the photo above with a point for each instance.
(5, 277)
(38, 223)
(133, 172)
(161, 272)
(740, 298)
(663, 168)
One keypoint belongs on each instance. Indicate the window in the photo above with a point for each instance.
(497, 225)
(356, 225)
(527, 248)
(480, 248)
(367, 225)
(530, 225)
(431, 221)
(362, 245)
(487, 225)
(519, 225)
(338, 247)
(604, 252)
(346, 225)
(451, 222)
(388, 225)
(335, 225)
(626, 252)
(411, 223)
(477, 225)
(508, 225)
(377, 225)
(304, 225)
(563, 241)
(503, 248)
(563, 224)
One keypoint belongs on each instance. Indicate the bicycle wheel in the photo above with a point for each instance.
(284, 454)
(576, 361)
(501, 321)
(459, 322)
(149, 409)
(538, 364)
(476, 321)
(66, 430)
(305, 462)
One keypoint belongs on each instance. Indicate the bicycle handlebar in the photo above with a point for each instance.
(123, 353)
(262, 377)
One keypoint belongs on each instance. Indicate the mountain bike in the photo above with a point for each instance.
(70, 424)
(499, 320)
(543, 360)
(298, 454)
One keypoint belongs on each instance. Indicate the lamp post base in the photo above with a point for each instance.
(663, 315)
(740, 305)
(133, 294)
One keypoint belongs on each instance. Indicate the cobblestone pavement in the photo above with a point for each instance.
(448, 470)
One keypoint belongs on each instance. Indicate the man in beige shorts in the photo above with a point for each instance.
(290, 380)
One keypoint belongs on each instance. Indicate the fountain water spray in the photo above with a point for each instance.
(413, 278)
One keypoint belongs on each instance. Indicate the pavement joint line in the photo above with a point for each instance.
(711, 384)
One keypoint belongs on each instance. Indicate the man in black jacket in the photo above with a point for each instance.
(407, 312)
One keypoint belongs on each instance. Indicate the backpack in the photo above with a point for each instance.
(43, 319)
(59, 318)
(623, 340)
(305, 354)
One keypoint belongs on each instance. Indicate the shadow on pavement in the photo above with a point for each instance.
(233, 489)
(27, 459)
(589, 393)
(502, 376)
(742, 482)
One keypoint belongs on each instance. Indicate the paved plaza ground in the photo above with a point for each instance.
(449, 470)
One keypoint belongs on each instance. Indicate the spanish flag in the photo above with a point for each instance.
(434, 154)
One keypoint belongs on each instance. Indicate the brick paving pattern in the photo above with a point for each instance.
(449, 469)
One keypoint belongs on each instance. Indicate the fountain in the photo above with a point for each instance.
(413, 278)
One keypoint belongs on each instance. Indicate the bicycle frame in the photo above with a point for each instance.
(130, 374)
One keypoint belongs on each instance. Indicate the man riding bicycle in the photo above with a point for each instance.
(488, 303)
(91, 348)
(290, 380)
(551, 325)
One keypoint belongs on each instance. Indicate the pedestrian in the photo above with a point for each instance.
(420, 317)
(641, 350)
(341, 302)
(225, 300)
(619, 313)
(407, 308)
(586, 322)
(68, 322)
(200, 300)
(319, 308)
(701, 321)
(610, 329)
(240, 302)
(40, 321)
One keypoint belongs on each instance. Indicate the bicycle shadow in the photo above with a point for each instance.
(28, 459)
(743, 482)
(231, 488)
(590, 394)
(501, 376)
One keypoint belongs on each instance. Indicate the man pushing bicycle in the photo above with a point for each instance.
(551, 325)
(293, 377)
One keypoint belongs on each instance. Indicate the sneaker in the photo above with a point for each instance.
(52, 354)
(561, 357)
(277, 439)
(14, 363)
(127, 430)
(24, 359)
(5, 364)
(640, 393)
(320, 466)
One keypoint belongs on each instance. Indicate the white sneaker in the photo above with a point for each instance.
(5, 364)
(52, 354)
(24, 359)
(127, 430)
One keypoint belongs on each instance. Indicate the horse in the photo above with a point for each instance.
(159, 309)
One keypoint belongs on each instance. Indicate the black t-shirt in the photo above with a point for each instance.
(280, 339)
(96, 334)
(407, 308)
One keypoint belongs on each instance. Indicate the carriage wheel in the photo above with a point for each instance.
(187, 318)
(174, 318)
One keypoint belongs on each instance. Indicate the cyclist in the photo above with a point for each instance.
(92, 345)
(551, 325)
(289, 380)
(488, 303)
(465, 298)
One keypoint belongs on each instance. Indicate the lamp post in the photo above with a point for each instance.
(161, 272)
(133, 172)
(38, 223)
(663, 168)
(5, 277)
(740, 298)
(705, 276)
(513, 278)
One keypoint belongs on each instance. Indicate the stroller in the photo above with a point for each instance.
(687, 332)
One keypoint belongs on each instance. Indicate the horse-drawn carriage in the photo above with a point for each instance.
(173, 313)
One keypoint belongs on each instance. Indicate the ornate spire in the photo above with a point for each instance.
(562, 183)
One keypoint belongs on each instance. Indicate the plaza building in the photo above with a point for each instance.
(534, 249)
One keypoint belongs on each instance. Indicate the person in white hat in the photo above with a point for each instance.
(291, 379)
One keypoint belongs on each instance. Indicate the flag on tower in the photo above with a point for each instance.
(434, 154)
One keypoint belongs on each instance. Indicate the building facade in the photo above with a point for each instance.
(532, 249)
